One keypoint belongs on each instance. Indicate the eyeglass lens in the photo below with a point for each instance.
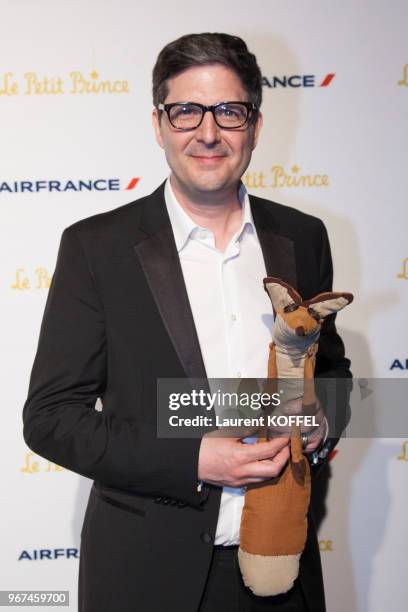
(187, 116)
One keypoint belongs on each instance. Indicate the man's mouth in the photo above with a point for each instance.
(209, 159)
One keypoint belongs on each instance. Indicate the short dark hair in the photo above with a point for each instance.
(207, 48)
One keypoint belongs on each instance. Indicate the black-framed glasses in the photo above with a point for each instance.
(227, 115)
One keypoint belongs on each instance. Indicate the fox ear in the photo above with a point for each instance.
(328, 303)
(281, 293)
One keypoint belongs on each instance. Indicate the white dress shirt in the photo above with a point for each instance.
(232, 314)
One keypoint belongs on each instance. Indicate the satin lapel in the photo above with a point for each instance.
(278, 250)
(157, 253)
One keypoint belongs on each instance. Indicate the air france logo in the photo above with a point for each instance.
(62, 186)
(298, 80)
(399, 364)
(52, 554)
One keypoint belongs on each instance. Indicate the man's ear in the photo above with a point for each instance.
(257, 128)
(157, 127)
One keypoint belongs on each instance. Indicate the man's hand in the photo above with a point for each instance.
(316, 438)
(231, 463)
(316, 434)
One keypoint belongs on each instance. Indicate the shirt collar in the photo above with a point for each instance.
(183, 225)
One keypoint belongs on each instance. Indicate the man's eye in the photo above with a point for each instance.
(226, 111)
(185, 111)
(232, 112)
(229, 112)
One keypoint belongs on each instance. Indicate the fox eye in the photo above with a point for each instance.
(291, 307)
(313, 313)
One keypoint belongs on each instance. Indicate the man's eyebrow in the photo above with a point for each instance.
(202, 103)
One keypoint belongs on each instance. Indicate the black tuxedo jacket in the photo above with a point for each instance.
(117, 317)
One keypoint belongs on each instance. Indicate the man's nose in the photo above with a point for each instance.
(208, 131)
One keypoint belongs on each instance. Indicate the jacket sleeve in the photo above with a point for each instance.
(331, 362)
(69, 374)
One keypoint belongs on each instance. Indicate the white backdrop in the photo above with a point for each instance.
(75, 102)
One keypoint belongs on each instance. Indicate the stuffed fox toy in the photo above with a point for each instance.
(274, 518)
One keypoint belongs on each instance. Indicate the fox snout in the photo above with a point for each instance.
(299, 320)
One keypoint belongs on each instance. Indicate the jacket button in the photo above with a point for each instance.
(157, 500)
(166, 500)
(206, 538)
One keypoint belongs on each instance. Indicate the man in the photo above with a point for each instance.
(170, 286)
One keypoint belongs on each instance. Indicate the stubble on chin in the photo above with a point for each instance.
(209, 184)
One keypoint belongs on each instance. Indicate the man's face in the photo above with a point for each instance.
(208, 159)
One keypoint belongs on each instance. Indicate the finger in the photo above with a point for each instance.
(315, 438)
(248, 481)
(264, 450)
(312, 444)
(268, 469)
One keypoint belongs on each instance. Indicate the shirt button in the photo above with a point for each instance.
(239, 374)
(233, 317)
(206, 538)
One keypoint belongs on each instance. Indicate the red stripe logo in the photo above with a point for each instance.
(133, 183)
(327, 79)
(332, 454)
